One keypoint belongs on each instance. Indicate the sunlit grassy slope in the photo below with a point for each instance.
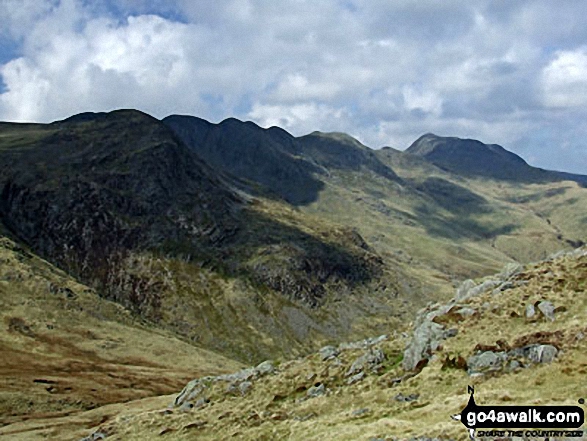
(276, 407)
(64, 349)
(440, 227)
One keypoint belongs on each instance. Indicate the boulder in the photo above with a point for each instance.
(316, 391)
(265, 368)
(547, 309)
(191, 391)
(486, 362)
(542, 353)
(426, 338)
(369, 360)
(530, 311)
(328, 352)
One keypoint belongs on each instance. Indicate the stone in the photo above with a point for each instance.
(316, 391)
(547, 309)
(530, 311)
(466, 312)
(406, 398)
(242, 375)
(542, 353)
(486, 361)
(426, 338)
(369, 360)
(265, 368)
(360, 412)
(96, 436)
(356, 378)
(201, 402)
(328, 352)
(510, 270)
(186, 406)
(463, 289)
(452, 332)
(190, 392)
(245, 387)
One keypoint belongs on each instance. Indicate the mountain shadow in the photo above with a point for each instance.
(266, 157)
(277, 162)
(463, 206)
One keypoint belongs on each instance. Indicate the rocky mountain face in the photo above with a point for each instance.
(85, 191)
(120, 202)
(473, 158)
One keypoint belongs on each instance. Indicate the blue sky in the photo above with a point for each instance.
(512, 73)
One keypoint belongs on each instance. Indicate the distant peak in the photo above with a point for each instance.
(96, 116)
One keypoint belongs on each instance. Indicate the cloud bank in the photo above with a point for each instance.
(513, 73)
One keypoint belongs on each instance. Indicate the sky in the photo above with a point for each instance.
(507, 72)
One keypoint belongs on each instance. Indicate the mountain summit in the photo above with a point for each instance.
(471, 157)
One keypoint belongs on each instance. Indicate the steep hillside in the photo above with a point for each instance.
(64, 349)
(519, 337)
(120, 202)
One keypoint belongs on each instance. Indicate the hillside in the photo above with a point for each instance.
(432, 223)
(367, 391)
(65, 349)
(118, 201)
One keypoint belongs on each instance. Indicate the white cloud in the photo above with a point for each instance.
(387, 71)
(300, 118)
(564, 80)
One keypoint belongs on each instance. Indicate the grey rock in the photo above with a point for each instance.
(95, 436)
(232, 388)
(242, 375)
(530, 311)
(369, 360)
(406, 398)
(452, 332)
(464, 289)
(542, 353)
(265, 368)
(190, 392)
(466, 312)
(505, 286)
(485, 362)
(316, 391)
(360, 412)
(426, 338)
(201, 402)
(328, 352)
(547, 309)
(468, 289)
(514, 364)
(245, 387)
(510, 270)
(186, 406)
(356, 378)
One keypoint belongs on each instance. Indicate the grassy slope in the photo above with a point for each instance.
(64, 349)
(440, 228)
(272, 409)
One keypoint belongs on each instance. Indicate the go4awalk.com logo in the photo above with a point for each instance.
(563, 421)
